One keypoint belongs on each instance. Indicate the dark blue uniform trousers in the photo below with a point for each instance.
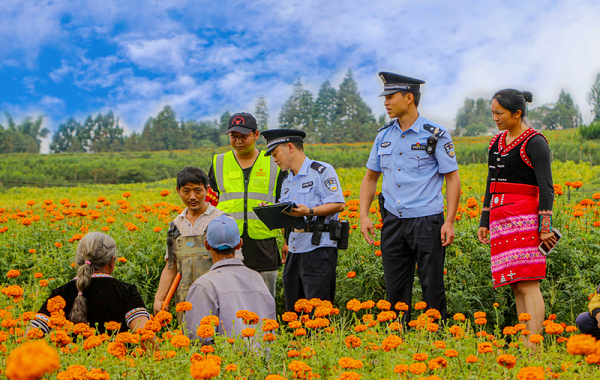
(410, 241)
(309, 275)
(588, 324)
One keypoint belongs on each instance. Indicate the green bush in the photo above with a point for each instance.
(590, 132)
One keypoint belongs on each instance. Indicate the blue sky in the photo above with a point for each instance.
(65, 58)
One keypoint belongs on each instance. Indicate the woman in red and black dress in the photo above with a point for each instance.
(517, 208)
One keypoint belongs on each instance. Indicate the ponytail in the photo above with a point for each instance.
(94, 251)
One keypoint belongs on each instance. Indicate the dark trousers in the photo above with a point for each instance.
(309, 275)
(588, 325)
(406, 242)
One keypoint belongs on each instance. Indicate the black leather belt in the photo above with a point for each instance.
(310, 228)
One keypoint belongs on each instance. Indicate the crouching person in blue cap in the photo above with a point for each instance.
(229, 286)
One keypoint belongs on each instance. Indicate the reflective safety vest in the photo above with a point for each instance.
(237, 198)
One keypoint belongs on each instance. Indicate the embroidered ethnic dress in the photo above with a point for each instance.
(517, 174)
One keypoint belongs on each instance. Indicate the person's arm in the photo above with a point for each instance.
(138, 323)
(452, 199)
(322, 210)
(166, 280)
(539, 153)
(484, 221)
(368, 187)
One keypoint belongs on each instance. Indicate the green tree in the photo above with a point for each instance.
(324, 116)
(594, 98)
(354, 119)
(204, 133)
(475, 118)
(67, 138)
(165, 133)
(106, 134)
(224, 122)
(261, 113)
(296, 112)
(24, 137)
(562, 114)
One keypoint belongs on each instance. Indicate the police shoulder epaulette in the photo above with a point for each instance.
(389, 124)
(317, 166)
(431, 129)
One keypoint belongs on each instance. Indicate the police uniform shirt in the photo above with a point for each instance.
(315, 184)
(412, 179)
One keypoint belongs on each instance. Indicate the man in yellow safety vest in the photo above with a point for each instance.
(244, 178)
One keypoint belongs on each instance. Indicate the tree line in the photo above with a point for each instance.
(332, 116)
(473, 118)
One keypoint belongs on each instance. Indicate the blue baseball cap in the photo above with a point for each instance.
(223, 233)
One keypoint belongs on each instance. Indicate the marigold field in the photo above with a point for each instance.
(357, 337)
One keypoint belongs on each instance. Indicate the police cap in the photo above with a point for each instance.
(275, 137)
(393, 83)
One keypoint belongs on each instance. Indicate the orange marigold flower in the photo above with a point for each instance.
(571, 329)
(122, 259)
(508, 361)
(165, 193)
(157, 229)
(432, 327)
(536, 338)
(401, 306)
(300, 332)
(293, 354)
(248, 332)
(385, 316)
(433, 313)
(91, 342)
(126, 194)
(531, 373)
(456, 331)
(383, 305)
(417, 368)
(484, 348)
(471, 359)
(153, 326)
(421, 357)
(459, 317)
(554, 329)
(509, 330)
(269, 325)
(401, 368)
(391, 342)
(117, 349)
(13, 273)
(164, 318)
(58, 244)
(180, 341)
(451, 353)
(351, 274)
(480, 321)
(211, 320)
(183, 306)
(289, 316)
(55, 304)
(272, 377)
(38, 275)
(479, 314)
(32, 251)
(524, 317)
(295, 324)
(582, 344)
(525, 332)
(353, 305)
(31, 361)
(352, 341)
(420, 305)
(367, 305)
(205, 331)
(205, 370)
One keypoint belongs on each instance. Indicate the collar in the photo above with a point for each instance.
(417, 126)
(303, 169)
(209, 210)
(227, 262)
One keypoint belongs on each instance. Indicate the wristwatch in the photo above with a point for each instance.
(311, 212)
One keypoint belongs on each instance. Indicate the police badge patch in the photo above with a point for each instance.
(331, 184)
(307, 184)
(385, 144)
(449, 146)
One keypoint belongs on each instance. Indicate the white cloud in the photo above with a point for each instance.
(204, 58)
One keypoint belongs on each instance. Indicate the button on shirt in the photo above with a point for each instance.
(312, 188)
(228, 287)
(412, 179)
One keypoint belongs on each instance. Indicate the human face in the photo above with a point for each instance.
(504, 119)
(243, 143)
(282, 155)
(396, 104)
(193, 195)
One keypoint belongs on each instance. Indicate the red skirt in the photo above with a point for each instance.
(514, 233)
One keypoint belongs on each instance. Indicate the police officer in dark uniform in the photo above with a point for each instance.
(415, 155)
(315, 189)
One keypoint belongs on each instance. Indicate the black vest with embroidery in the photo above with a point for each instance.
(511, 163)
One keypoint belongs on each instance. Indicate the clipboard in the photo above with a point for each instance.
(273, 217)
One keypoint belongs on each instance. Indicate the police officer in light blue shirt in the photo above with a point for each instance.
(414, 155)
(315, 188)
